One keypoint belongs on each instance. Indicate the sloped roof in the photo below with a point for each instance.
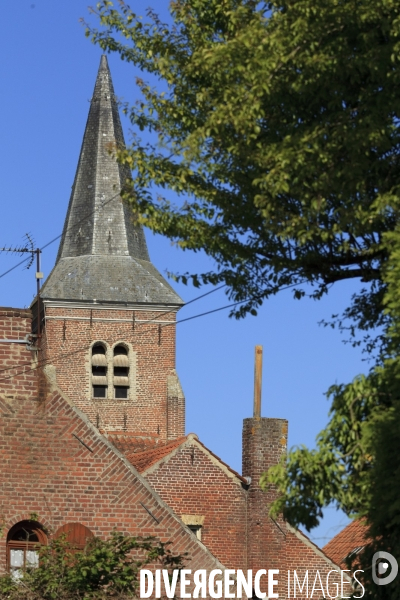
(350, 540)
(103, 253)
(129, 442)
(145, 459)
(142, 460)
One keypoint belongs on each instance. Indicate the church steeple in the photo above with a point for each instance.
(103, 253)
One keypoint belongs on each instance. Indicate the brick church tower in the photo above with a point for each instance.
(108, 314)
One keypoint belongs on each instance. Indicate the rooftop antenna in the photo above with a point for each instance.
(29, 248)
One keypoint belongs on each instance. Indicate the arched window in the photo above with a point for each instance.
(76, 535)
(99, 371)
(121, 372)
(23, 540)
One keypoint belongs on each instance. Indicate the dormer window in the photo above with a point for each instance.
(121, 372)
(99, 371)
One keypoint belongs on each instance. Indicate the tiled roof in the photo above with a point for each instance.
(144, 451)
(103, 252)
(350, 540)
(145, 459)
(129, 442)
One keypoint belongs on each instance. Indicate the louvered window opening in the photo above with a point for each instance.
(99, 371)
(121, 372)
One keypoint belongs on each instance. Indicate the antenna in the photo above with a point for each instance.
(30, 249)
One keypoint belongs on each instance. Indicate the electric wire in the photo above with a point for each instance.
(68, 228)
(66, 355)
(84, 219)
(150, 321)
(15, 266)
(184, 306)
(209, 312)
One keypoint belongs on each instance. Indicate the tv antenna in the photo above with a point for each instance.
(29, 248)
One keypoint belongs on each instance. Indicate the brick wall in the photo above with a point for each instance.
(193, 482)
(56, 464)
(16, 362)
(264, 442)
(47, 469)
(273, 544)
(175, 408)
(236, 526)
(302, 555)
(69, 336)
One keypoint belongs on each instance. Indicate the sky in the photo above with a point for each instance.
(47, 75)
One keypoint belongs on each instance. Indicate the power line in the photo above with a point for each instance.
(15, 267)
(61, 356)
(209, 312)
(64, 232)
(185, 305)
(151, 321)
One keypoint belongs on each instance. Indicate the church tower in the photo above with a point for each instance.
(109, 316)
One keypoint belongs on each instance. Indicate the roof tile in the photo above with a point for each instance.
(145, 459)
(351, 539)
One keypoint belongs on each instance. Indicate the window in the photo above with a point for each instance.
(194, 523)
(76, 535)
(99, 371)
(196, 529)
(121, 372)
(110, 371)
(23, 540)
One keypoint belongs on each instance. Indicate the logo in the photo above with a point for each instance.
(380, 565)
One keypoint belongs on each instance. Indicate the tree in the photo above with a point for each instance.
(356, 464)
(104, 569)
(277, 125)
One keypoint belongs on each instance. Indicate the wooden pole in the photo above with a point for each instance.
(257, 381)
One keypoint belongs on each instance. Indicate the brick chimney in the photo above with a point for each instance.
(264, 442)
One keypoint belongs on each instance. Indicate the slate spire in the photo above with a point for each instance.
(103, 254)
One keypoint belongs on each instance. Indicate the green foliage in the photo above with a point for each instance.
(343, 463)
(356, 463)
(104, 569)
(34, 517)
(277, 123)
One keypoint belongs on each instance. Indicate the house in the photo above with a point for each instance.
(92, 413)
(347, 543)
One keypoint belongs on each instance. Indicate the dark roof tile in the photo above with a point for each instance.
(103, 252)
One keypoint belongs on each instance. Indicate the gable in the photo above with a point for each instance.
(201, 489)
(56, 465)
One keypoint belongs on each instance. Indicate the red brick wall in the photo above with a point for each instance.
(192, 483)
(46, 470)
(175, 408)
(302, 555)
(264, 442)
(16, 362)
(69, 335)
